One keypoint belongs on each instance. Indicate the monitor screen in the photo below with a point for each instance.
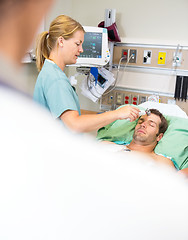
(92, 45)
(95, 47)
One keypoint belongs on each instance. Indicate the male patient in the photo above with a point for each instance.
(148, 132)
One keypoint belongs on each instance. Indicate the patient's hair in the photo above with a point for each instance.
(163, 125)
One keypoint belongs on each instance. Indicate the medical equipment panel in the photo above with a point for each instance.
(149, 56)
(121, 96)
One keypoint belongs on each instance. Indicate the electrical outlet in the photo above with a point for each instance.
(161, 58)
(110, 99)
(124, 54)
(135, 99)
(147, 57)
(119, 98)
(127, 99)
(133, 55)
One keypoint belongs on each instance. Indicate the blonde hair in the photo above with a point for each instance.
(63, 26)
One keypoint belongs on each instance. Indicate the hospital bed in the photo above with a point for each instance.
(174, 142)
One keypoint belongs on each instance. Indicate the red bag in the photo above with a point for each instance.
(113, 34)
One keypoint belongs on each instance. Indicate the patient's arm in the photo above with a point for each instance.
(184, 171)
(108, 142)
(162, 159)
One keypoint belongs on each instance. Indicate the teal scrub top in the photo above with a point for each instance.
(54, 91)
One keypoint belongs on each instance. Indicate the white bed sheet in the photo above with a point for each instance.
(166, 109)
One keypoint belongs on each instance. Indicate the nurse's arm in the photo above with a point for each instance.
(91, 122)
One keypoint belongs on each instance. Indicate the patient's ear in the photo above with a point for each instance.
(159, 137)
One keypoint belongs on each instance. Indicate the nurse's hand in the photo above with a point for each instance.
(128, 112)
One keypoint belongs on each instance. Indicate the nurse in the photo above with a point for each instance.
(56, 48)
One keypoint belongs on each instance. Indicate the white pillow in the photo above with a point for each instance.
(166, 109)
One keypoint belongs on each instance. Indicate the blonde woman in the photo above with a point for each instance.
(58, 47)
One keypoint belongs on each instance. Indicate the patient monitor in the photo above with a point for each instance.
(95, 48)
(95, 55)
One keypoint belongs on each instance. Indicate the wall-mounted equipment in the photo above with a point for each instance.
(135, 99)
(127, 98)
(181, 88)
(143, 99)
(94, 85)
(133, 55)
(147, 57)
(177, 59)
(124, 55)
(110, 98)
(161, 58)
(95, 47)
(119, 98)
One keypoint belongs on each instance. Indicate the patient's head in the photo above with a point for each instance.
(150, 129)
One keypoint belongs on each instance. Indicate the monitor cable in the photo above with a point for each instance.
(118, 69)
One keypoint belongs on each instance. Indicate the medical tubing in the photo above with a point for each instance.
(119, 65)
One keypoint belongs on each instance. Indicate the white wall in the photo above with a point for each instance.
(146, 21)
(60, 7)
(159, 21)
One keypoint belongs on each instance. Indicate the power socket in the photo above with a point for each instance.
(135, 99)
(127, 99)
(111, 99)
(124, 54)
(133, 55)
(119, 98)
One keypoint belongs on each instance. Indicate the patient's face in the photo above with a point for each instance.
(147, 129)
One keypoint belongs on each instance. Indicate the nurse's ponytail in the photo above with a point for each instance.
(63, 26)
(42, 50)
